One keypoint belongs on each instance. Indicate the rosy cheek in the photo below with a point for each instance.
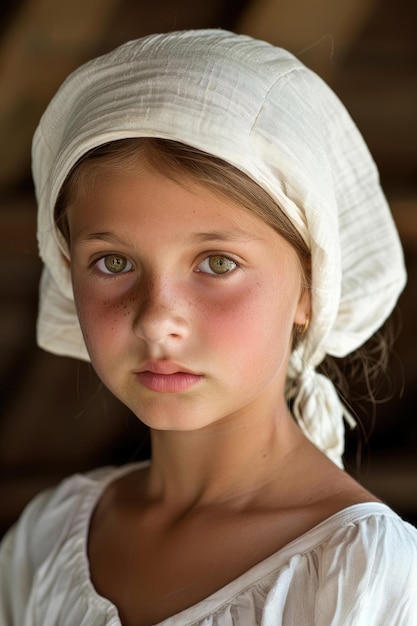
(98, 317)
(251, 318)
(231, 317)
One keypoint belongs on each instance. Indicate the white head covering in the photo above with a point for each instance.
(257, 107)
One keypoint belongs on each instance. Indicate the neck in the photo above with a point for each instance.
(230, 462)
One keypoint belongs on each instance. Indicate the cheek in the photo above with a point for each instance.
(99, 318)
(250, 320)
(248, 340)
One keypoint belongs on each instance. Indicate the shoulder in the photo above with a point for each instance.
(366, 568)
(373, 526)
(56, 518)
(52, 511)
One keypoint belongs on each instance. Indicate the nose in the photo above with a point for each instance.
(161, 312)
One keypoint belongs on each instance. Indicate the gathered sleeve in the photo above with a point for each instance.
(367, 575)
(26, 547)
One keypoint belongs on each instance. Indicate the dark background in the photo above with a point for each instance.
(55, 418)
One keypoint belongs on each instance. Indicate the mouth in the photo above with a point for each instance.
(167, 377)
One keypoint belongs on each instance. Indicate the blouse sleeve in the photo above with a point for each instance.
(27, 545)
(17, 564)
(6, 568)
(368, 575)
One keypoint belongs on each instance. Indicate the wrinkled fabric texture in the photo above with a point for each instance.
(259, 108)
(358, 568)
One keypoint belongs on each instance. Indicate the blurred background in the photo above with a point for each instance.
(55, 418)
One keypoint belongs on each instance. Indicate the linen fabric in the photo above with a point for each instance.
(259, 108)
(358, 568)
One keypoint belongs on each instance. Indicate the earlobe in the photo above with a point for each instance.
(303, 313)
(302, 317)
(302, 328)
(299, 330)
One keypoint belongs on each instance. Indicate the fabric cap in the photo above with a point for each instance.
(259, 108)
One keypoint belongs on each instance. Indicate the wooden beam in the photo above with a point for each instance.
(319, 32)
(45, 42)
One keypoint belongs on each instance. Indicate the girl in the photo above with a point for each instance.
(212, 227)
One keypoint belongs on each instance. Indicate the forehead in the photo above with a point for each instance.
(185, 165)
(142, 200)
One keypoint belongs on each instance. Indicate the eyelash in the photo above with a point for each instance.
(106, 272)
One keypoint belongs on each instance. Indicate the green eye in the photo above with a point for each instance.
(113, 264)
(217, 264)
(221, 264)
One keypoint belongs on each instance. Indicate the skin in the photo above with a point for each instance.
(228, 462)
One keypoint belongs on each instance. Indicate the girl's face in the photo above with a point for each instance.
(187, 302)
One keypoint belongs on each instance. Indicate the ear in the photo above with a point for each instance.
(302, 317)
(303, 311)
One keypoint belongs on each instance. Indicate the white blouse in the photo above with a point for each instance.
(357, 568)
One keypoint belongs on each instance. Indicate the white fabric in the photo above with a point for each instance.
(358, 568)
(318, 411)
(259, 108)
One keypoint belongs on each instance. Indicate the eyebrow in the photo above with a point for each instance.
(203, 237)
(233, 235)
(106, 236)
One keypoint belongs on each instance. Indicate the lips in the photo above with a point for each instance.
(167, 377)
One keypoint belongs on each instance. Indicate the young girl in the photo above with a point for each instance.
(212, 227)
